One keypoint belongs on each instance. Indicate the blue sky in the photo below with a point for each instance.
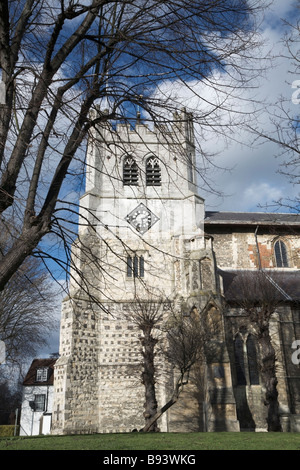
(251, 178)
(246, 172)
(254, 182)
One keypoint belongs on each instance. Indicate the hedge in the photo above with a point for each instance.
(8, 430)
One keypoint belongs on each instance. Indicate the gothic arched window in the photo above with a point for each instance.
(130, 171)
(239, 361)
(281, 254)
(252, 361)
(246, 364)
(153, 172)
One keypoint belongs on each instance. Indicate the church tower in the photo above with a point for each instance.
(140, 235)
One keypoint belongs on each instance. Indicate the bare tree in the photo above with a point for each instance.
(147, 315)
(61, 58)
(284, 118)
(173, 338)
(27, 306)
(10, 400)
(259, 295)
(184, 348)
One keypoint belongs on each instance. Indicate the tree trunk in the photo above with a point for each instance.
(148, 378)
(152, 421)
(268, 372)
(19, 251)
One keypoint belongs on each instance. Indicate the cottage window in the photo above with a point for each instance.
(39, 402)
(135, 266)
(281, 255)
(42, 374)
(153, 172)
(130, 172)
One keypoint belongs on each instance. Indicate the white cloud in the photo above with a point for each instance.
(280, 10)
(259, 193)
(254, 180)
(52, 338)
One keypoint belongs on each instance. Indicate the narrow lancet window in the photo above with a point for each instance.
(190, 168)
(239, 361)
(135, 266)
(129, 266)
(252, 361)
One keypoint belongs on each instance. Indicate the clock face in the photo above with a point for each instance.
(141, 218)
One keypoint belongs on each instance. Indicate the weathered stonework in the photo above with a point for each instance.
(248, 241)
(181, 255)
(98, 384)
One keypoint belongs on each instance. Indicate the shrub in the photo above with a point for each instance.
(7, 430)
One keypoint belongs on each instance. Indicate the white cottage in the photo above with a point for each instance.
(36, 410)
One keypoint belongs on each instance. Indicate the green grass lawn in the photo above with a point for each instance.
(159, 441)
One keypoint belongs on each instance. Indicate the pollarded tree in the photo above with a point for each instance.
(172, 337)
(147, 315)
(184, 348)
(61, 58)
(258, 295)
(27, 306)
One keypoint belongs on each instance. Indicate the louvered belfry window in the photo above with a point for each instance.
(153, 172)
(130, 172)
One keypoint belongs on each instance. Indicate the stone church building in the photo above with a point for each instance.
(144, 234)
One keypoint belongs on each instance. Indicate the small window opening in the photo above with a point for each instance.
(135, 266)
(42, 374)
(190, 168)
(39, 402)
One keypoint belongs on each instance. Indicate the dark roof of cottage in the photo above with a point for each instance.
(252, 218)
(287, 283)
(30, 378)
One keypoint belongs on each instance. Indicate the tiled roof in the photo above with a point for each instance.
(255, 218)
(30, 378)
(287, 282)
